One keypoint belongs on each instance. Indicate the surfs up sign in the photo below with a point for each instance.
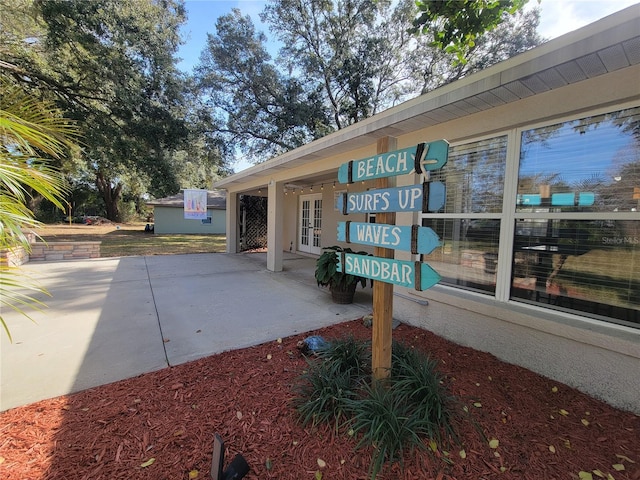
(427, 197)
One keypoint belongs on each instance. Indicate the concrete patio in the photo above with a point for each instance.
(114, 318)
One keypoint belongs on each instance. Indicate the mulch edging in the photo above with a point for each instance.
(545, 429)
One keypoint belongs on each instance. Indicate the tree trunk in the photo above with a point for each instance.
(110, 195)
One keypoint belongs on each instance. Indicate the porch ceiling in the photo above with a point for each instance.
(610, 44)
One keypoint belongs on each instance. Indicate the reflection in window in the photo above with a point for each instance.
(591, 164)
(468, 256)
(577, 245)
(586, 265)
(474, 175)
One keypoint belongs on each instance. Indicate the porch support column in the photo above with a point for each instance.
(232, 222)
(275, 214)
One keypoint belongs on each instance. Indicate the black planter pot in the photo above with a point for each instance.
(344, 295)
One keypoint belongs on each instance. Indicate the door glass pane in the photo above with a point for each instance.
(304, 223)
(317, 222)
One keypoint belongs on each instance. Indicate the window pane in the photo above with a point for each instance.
(474, 175)
(317, 222)
(469, 254)
(586, 265)
(591, 164)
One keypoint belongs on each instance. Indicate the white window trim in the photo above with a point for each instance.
(509, 215)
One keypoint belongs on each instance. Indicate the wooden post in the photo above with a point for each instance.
(382, 291)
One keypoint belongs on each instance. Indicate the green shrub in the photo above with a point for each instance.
(330, 380)
(322, 393)
(394, 416)
(386, 422)
(347, 355)
(417, 382)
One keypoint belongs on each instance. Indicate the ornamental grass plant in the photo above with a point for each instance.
(412, 409)
(330, 380)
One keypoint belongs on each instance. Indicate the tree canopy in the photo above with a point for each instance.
(110, 66)
(148, 129)
(456, 24)
(341, 61)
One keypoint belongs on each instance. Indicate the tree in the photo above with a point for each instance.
(342, 61)
(331, 43)
(253, 103)
(31, 133)
(110, 65)
(434, 67)
(456, 24)
(360, 55)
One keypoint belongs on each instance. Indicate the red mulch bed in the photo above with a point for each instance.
(171, 416)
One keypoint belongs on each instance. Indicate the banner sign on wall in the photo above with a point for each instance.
(195, 204)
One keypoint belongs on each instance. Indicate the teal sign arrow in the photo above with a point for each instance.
(424, 156)
(416, 275)
(399, 199)
(414, 239)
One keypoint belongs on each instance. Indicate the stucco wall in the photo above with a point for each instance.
(290, 223)
(600, 360)
(171, 220)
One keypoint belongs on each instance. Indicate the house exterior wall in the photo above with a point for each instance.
(598, 355)
(600, 360)
(171, 220)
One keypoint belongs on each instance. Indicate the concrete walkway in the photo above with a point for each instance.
(114, 318)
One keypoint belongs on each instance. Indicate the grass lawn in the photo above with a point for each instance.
(130, 239)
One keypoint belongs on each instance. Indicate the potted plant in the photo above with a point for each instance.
(342, 285)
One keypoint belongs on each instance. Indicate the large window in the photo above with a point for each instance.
(470, 227)
(577, 226)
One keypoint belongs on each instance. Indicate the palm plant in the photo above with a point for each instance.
(31, 134)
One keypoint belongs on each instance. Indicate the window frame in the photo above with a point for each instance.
(509, 215)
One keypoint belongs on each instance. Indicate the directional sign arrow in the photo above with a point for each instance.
(424, 156)
(399, 199)
(413, 238)
(416, 275)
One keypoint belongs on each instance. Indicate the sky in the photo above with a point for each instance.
(557, 18)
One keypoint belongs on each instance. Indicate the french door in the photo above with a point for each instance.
(310, 223)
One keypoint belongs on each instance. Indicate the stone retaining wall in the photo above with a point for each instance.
(13, 257)
(54, 251)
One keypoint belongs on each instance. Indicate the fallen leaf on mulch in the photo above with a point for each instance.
(109, 432)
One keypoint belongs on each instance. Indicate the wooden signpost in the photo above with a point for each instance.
(385, 236)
